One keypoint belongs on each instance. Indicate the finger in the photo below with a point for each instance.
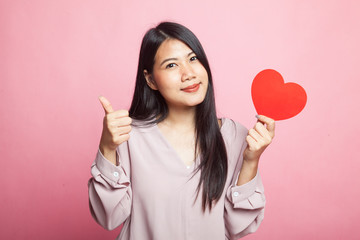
(261, 129)
(270, 124)
(124, 130)
(251, 142)
(106, 105)
(121, 138)
(255, 135)
(118, 130)
(120, 122)
(119, 114)
(121, 131)
(125, 121)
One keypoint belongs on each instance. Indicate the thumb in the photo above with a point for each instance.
(106, 105)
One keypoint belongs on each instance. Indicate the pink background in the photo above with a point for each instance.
(57, 57)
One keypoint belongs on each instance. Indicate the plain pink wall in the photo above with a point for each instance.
(57, 57)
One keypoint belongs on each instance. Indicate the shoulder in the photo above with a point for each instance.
(233, 130)
(234, 135)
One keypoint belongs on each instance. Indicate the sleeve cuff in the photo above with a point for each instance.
(242, 192)
(108, 169)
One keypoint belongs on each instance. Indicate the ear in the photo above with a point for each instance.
(149, 80)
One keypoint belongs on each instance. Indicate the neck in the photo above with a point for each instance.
(181, 118)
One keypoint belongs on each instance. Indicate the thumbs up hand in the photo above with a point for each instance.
(116, 129)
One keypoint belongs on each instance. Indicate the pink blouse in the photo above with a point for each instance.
(151, 191)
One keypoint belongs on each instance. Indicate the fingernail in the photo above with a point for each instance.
(257, 116)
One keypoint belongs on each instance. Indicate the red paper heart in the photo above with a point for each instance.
(276, 99)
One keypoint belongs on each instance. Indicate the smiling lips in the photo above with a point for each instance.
(192, 88)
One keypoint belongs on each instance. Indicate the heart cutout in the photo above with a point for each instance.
(276, 99)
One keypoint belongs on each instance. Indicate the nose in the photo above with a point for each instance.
(187, 72)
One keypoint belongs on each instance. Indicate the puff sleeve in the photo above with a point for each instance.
(110, 193)
(244, 205)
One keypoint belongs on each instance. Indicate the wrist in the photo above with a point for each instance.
(248, 171)
(105, 149)
(109, 153)
(251, 163)
(106, 145)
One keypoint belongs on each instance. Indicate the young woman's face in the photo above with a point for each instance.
(178, 75)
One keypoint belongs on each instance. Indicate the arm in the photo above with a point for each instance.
(110, 192)
(244, 203)
(258, 139)
(245, 199)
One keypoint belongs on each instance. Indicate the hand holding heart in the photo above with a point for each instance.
(116, 127)
(259, 138)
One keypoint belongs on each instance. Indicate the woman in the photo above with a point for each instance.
(169, 168)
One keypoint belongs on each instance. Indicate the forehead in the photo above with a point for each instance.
(172, 48)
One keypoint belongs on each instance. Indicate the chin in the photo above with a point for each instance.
(196, 102)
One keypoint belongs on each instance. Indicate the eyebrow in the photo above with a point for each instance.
(172, 59)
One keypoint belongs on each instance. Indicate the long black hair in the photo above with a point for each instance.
(148, 103)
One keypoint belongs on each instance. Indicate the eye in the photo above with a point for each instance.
(193, 58)
(170, 65)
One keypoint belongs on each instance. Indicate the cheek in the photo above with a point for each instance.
(206, 81)
(160, 80)
(205, 77)
(165, 83)
(169, 80)
(202, 72)
(206, 86)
